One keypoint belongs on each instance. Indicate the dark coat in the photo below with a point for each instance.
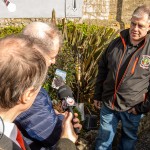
(132, 90)
(40, 125)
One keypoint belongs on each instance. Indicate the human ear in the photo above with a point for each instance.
(27, 95)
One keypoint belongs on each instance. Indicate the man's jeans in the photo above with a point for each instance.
(108, 124)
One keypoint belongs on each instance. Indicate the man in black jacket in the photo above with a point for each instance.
(123, 83)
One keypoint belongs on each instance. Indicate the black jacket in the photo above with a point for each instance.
(133, 88)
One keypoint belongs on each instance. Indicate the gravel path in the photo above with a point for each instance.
(88, 141)
(143, 142)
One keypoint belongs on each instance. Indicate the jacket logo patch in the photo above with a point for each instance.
(145, 62)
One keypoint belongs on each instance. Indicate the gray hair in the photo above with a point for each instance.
(139, 11)
(49, 35)
(21, 67)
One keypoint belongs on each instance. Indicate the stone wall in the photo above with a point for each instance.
(113, 13)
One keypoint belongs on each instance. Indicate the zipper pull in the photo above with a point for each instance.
(134, 65)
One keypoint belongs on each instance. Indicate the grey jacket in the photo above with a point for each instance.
(132, 90)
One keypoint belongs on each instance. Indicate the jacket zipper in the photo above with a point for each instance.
(117, 87)
(114, 97)
(134, 65)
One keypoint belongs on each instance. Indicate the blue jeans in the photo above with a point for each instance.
(108, 125)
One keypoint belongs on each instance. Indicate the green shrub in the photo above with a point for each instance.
(79, 56)
(9, 30)
(85, 45)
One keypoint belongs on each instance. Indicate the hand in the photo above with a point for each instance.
(97, 104)
(67, 127)
(133, 111)
(76, 122)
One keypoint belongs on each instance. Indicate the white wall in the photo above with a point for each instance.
(42, 8)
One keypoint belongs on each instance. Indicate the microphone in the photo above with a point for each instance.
(68, 102)
(65, 91)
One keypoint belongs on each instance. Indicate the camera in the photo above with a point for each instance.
(65, 94)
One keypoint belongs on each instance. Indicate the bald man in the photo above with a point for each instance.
(41, 125)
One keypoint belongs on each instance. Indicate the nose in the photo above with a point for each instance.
(135, 27)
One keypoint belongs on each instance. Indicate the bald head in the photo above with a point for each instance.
(49, 37)
(46, 33)
(21, 66)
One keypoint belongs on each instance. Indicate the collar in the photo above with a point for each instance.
(129, 44)
(125, 36)
(10, 130)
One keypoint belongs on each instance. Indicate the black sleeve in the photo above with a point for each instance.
(144, 107)
(103, 70)
(65, 144)
(102, 74)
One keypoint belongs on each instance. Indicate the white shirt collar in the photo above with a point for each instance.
(10, 130)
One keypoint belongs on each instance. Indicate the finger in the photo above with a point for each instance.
(79, 126)
(95, 104)
(75, 114)
(70, 117)
(65, 115)
(64, 119)
(98, 107)
(76, 120)
(129, 111)
(134, 112)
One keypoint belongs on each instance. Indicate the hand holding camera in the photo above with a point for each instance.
(65, 94)
(68, 128)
